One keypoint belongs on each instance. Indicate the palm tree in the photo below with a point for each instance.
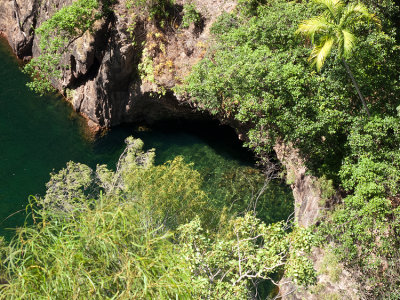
(334, 28)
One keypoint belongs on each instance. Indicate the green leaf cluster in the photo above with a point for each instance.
(257, 73)
(158, 10)
(245, 253)
(137, 233)
(55, 35)
(365, 226)
(190, 15)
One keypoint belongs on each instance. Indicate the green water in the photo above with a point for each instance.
(41, 134)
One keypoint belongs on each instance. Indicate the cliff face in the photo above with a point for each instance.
(102, 80)
(334, 281)
(306, 191)
(17, 23)
(104, 84)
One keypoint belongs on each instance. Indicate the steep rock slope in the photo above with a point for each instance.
(100, 69)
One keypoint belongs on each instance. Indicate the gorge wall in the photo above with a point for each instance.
(104, 84)
(100, 76)
(102, 79)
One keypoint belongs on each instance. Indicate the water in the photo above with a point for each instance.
(41, 134)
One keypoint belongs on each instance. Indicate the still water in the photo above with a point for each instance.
(39, 135)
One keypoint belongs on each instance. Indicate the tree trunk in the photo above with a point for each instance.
(356, 86)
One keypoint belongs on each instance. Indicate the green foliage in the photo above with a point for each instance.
(334, 28)
(190, 15)
(371, 173)
(55, 34)
(365, 227)
(245, 253)
(158, 10)
(107, 235)
(146, 68)
(3, 257)
(327, 190)
(257, 74)
(104, 251)
(66, 186)
(249, 7)
(330, 266)
(298, 267)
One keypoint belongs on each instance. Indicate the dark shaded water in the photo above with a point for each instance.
(41, 134)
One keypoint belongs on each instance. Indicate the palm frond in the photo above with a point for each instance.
(334, 7)
(348, 43)
(321, 52)
(357, 12)
(313, 26)
(334, 27)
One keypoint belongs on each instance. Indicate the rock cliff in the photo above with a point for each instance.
(103, 82)
(334, 281)
(101, 68)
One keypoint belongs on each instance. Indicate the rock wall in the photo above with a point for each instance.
(17, 23)
(306, 191)
(104, 84)
(102, 80)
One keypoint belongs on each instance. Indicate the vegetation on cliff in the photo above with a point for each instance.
(56, 34)
(258, 73)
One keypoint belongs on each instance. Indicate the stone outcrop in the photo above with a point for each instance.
(102, 80)
(334, 281)
(306, 190)
(17, 23)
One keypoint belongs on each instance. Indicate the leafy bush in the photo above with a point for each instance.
(107, 235)
(233, 264)
(365, 227)
(190, 15)
(55, 35)
(249, 7)
(158, 10)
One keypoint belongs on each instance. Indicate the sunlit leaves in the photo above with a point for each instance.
(54, 36)
(334, 28)
(244, 253)
(321, 52)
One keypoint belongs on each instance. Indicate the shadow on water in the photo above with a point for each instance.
(41, 134)
(178, 137)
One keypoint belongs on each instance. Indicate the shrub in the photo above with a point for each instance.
(55, 35)
(190, 15)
